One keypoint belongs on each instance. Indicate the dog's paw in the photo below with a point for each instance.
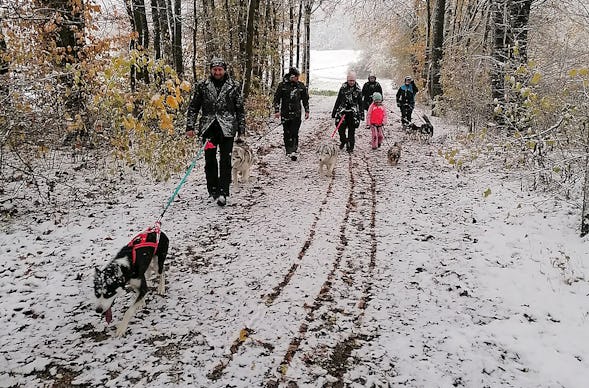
(121, 329)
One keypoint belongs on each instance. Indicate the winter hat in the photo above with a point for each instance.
(294, 71)
(376, 96)
(371, 75)
(408, 78)
(217, 61)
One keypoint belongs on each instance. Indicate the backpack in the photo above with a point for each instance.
(377, 115)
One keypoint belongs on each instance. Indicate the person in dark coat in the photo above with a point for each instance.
(348, 104)
(406, 99)
(289, 96)
(222, 115)
(368, 89)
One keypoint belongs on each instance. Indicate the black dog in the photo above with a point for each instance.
(426, 130)
(422, 132)
(129, 267)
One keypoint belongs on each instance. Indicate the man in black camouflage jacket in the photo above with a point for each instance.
(219, 100)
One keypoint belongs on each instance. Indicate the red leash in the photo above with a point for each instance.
(338, 125)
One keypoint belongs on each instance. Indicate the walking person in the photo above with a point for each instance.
(376, 118)
(289, 96)
(348, 105)
(222, 115)
(368, 89)
(406, 99)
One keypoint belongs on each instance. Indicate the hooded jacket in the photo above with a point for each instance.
(224, 105)
(406, 94)
(288, 98)
(368, 90)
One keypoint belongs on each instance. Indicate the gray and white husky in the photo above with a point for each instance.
(328, 153)
(242, 160)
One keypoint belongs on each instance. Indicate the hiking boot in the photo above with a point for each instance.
(294, 156)
(213, 193)
(342, 145)
(221, 200)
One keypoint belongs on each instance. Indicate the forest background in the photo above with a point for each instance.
(107, 83)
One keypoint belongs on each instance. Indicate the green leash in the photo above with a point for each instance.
(198, 155)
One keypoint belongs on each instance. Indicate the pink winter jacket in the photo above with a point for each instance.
(378, 117)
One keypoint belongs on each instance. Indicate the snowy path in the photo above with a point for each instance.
(380, 276)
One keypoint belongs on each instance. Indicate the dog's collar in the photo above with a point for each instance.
(140, 241)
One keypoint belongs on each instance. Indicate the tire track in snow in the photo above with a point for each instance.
(340, 277)
(325, 288)
(271, 297)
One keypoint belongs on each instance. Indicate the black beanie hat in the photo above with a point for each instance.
(294, 71)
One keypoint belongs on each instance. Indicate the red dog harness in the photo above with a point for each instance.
(140, 241)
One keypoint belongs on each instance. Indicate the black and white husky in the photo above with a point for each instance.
(128, 268)
(327, 157)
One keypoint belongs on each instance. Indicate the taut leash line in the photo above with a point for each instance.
(183, 180)
(338, 125)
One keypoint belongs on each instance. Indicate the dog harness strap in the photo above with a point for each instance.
(140, 241)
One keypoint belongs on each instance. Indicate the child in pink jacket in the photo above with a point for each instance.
(376, 118)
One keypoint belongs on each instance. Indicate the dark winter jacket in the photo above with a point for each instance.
(349, 100)
(367, 91)
(288, 98)
(406, 94)
(225, 106)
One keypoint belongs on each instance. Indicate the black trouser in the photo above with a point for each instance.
(350, 125)
(218, 174)
(406, 111)
(291, 134)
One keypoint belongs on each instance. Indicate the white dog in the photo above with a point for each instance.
(327, 157)
(242, 160)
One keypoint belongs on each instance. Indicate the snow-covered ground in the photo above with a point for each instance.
(380, 276)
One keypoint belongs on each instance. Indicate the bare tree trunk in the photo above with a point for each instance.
(231, 37)
(437, 49)
(300, 16)
(177, 45)
(427, 57)
(194, 36)
(69, 40)
(155, 16)
(207, 31)
(585, 210)
(510, 43)
(308, 10)
(291, 34)
(140, 42)
(249, 46)
(3, 65)
(282, 45)
(166, 46)
(242, 26)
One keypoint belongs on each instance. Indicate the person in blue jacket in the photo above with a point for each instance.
(406, 99)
